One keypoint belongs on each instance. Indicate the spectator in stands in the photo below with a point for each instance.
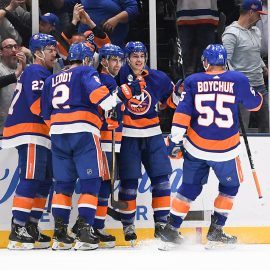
(197, 22)
(22, 21)
(12, 64)
(242, 40)
(48, 22)
(112, 15)
(96, 36)
(48, 7)
(6, 28)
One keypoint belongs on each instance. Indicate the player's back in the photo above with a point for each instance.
(210, 103)
(68, 94)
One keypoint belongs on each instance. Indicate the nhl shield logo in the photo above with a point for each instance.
(89, 171)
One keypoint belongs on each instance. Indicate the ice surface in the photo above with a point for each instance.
(145, 256)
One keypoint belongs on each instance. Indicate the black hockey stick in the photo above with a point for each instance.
(114, 203)
(179, 60)
(114, 214)
(255, 177)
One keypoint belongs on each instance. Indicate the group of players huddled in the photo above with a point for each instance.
(62, 126)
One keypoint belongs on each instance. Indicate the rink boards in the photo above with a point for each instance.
(249, 220)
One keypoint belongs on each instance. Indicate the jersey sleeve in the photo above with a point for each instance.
(174, 98)
(250, 98)
(98, 93)
(46, 105)
(131, 7)
(183, 113)
(168, 88)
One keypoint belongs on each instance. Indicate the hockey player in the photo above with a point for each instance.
(25, 130)
(111, 59)
(142, 141)
(70, 106)
(208, 111)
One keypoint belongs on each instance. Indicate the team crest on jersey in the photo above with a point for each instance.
(130, 78)
(140, 105)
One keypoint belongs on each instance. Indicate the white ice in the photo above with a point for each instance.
(144, 256)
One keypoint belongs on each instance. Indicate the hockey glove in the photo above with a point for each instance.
(179, 87)
(174, 150)
(112, 120)
(128, 90)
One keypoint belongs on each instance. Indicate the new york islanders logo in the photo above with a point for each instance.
(140, 105)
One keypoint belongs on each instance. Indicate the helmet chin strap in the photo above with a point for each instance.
(107, 68)
(206, 66)
(41, 58)
(84, 62)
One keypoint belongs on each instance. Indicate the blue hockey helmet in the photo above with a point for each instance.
(135, 46)
(110, 50)
(78, 51)
(215, 54)
(40, 41)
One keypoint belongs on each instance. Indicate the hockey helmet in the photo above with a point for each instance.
(135, 46)
(215, 54)
(40, 41)
(78, 51)
(110, 50)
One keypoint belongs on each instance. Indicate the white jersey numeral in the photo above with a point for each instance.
(37, 85)
(63, 90)
(17, 93)
(207, 116)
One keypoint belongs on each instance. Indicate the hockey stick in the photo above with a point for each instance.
(114, 203)
(179, 61)
(114, 214)
(50, 197)
(255, 177)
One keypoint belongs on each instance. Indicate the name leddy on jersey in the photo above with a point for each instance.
(62, 77)
(215, 86)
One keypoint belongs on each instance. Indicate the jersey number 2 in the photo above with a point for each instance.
(58, 101)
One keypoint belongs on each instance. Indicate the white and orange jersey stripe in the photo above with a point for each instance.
(61, 201)
(88, 200)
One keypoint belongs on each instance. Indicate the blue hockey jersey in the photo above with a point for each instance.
(141, 116)
(71, 98)
(105, 134)
(208, 110)
(24, 124)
